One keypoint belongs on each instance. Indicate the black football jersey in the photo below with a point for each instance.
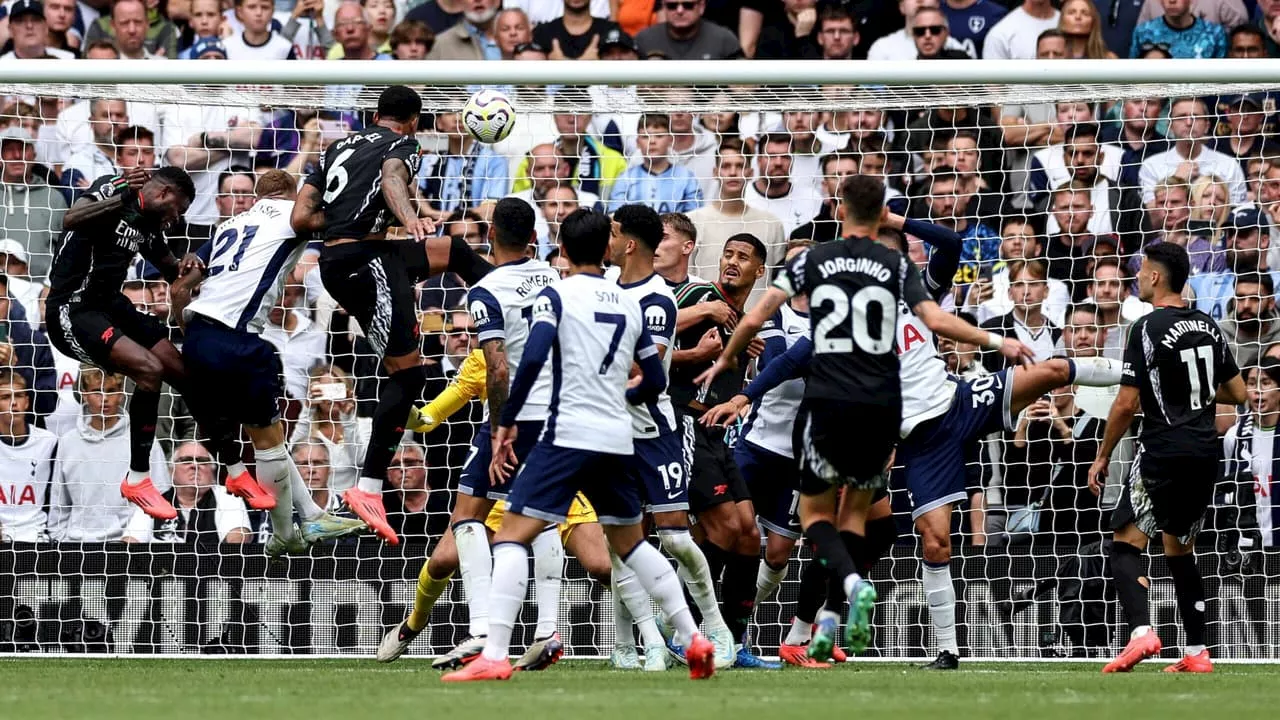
(854, 286)
(93, 261)
(681, 386)
(350, 180)
(1177, 357)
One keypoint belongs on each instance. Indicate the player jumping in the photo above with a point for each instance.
(89, 319)
(248, 260)
(591, 332)
(363, 183)
(1177, 365)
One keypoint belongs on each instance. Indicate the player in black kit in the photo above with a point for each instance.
(1177, 366)
(364, 185)
(853, 399)
(91, 320)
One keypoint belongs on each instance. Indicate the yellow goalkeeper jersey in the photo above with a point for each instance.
(470, 377)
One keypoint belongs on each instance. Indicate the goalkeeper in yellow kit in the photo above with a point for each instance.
(580, 534)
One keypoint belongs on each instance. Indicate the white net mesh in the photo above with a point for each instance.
(996, 170)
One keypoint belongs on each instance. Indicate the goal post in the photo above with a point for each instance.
(990, 158)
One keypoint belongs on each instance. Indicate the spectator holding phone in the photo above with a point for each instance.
(329, 418)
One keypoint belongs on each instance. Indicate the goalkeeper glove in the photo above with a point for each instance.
(420, 421)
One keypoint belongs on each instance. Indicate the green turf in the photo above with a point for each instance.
(48, 689)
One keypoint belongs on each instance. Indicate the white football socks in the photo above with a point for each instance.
(135, 478)
(695, 573)
(476, 568)
(1096, 371)
(370, 485)
(237, 468)
(548, 571)
(511, 581)
(767, 580)
(941, 595)
(273, 472)
(799, 634)
(629, 595)
(659, 580)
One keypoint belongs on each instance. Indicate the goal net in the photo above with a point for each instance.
(1056, 175)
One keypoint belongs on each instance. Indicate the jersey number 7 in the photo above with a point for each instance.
(619, 323)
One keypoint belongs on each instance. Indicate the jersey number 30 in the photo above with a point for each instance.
(842, 306)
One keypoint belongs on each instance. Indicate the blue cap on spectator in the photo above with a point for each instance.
(26, 7)
(1246, 216)
(206, 45)
(1258, 100)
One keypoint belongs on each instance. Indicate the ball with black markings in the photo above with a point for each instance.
(488, 116)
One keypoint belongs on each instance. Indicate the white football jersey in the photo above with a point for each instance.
(248, 259)
(598, 329)
(501, 305)
(926, 387)
(774, 417)
(658, 304)
(24, 485)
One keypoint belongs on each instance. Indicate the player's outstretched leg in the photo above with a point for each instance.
(1126, 569)
(548, 572)
(147, 373)
(1030, 383)
(475, 561)
(433, 579)
(934, 527)
(1189, 588)
(673, 533)
(631, 605)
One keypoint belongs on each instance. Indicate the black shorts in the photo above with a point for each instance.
(220, 360)
(1167, 497)
(845, 444)
(714, 476)
(373, 281)
(88, 330)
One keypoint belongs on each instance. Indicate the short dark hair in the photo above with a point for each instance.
(399, 103)
(1262, 280)
(642, 223)
(757, 246)
(584, 236)
(1085, 306)
(409, 30)
(176, 178)
(1270, 367)
(661, 120)
(460, 214)
(1047, 34)
(775, 137)
(1173, 259)
(899, 241)
(863, 198)
(730, 144)
(835, 11)
(103, 44)
(1083, 129)
(134, 133)
(681, 224)
(836, 156)
(231, 172)
(1253, 30)
(513, 223)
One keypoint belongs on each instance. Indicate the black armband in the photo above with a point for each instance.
(466, 263)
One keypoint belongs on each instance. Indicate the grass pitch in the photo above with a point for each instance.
(48, 689)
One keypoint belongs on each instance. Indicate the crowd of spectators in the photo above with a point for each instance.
(1055, 201)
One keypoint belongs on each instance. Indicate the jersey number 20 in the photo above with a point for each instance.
(842, 306)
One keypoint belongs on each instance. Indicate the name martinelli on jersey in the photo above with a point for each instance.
(863, 265)
(1182, 327)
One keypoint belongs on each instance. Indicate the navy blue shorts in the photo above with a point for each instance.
(475, 471)
(552, 475)
(231, 374)
(657, 469)
(774, 482)
(934, 455)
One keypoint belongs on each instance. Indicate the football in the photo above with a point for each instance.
(488, 116)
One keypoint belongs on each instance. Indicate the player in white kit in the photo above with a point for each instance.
(589, 333)
(659, 468)
(247, 262)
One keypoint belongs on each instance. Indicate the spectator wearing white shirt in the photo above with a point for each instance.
(559, 203)
(258, 41)
(728, 214)
(205, 140)
(1018, 242)
(71, 132)
(207, 513)
(300, 343)
(26, 463)
(773, 190)
(84, 498)
(106, 118)
(900, 45)
(1189, 123)
(1016, 35)
(333, 423)
(541, 11)
(17, 280)
(30, 33)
